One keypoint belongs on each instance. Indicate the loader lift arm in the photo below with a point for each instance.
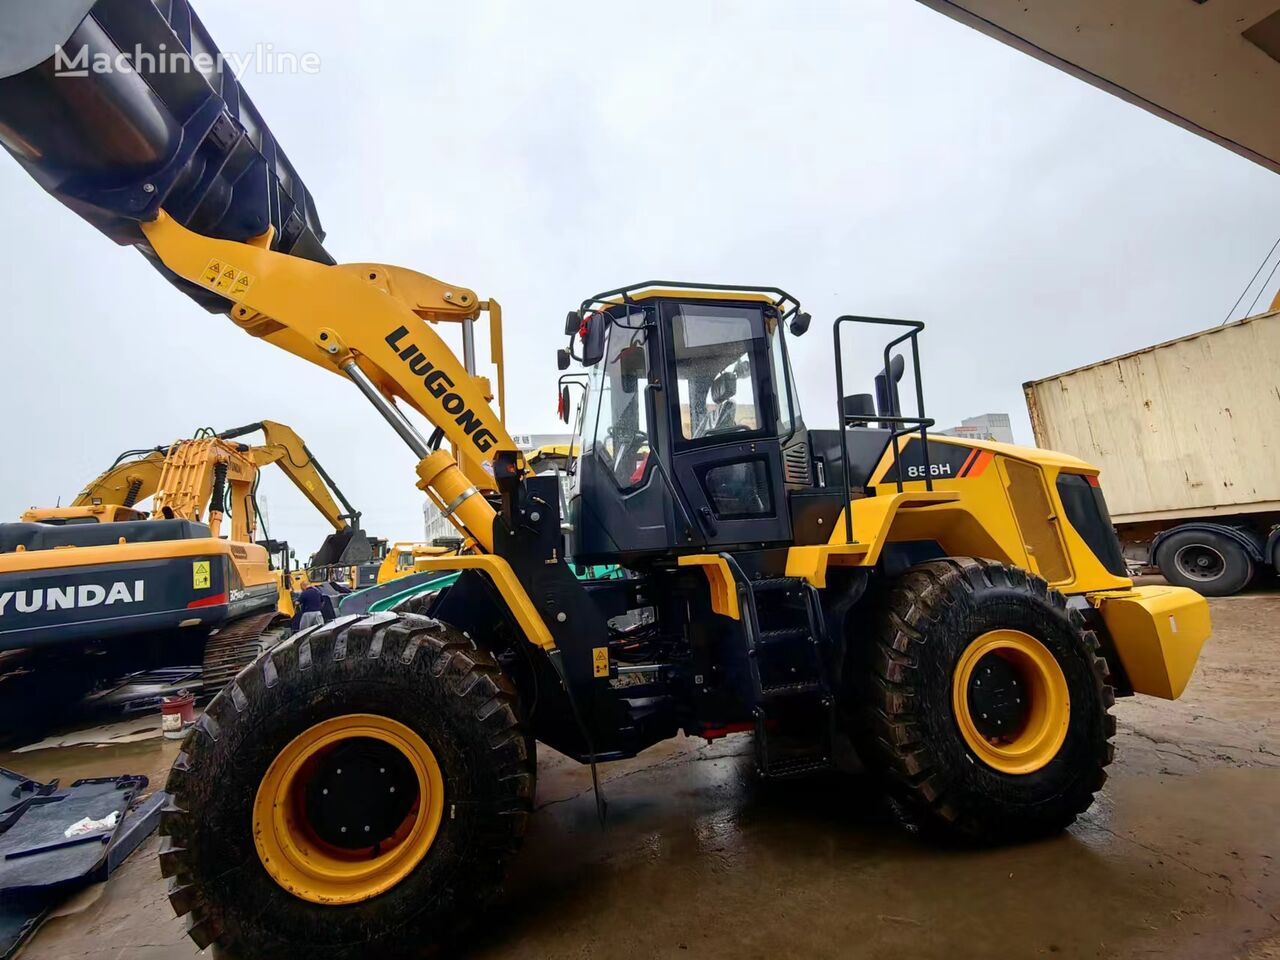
(373, 324)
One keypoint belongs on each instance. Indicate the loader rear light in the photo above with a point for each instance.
(213, 600)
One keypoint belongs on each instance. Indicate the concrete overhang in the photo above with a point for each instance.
(1211, 66)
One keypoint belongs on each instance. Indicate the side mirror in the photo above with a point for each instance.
(564, 403)
(799, 324)
(572, 323)
(562, 359)
(593, 340)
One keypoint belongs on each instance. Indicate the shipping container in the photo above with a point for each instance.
(1187, 436)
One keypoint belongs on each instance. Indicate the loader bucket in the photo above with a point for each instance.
(106, 106)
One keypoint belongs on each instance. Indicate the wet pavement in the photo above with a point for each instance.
(700, 859)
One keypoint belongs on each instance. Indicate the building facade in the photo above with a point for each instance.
(436, 525)
(986, 426)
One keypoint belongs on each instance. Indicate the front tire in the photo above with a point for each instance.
(307, 747)
(1017, 759)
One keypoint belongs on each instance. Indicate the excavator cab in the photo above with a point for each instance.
(690, 412)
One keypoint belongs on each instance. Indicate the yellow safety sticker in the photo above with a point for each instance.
(241, 286)
(226, 278)
(200, 574)
(600, 661)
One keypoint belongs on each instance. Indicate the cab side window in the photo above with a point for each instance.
(621, 428)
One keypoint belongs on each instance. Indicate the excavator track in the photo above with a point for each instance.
(237, 645)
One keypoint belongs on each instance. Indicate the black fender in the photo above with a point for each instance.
(1273, 547)
(1252, 542)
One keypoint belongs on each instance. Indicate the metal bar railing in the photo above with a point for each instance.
(902, 425)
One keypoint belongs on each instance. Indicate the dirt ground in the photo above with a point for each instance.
(700, 859)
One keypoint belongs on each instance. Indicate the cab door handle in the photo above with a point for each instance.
(708, 520)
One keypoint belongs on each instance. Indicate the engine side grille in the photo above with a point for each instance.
(1032, 509)
(795, 465)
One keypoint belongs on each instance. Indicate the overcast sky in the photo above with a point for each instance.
(870, 157)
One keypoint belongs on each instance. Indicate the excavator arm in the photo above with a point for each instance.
(281, 445)
(124, 483)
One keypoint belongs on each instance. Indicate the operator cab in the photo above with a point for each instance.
(689, 424)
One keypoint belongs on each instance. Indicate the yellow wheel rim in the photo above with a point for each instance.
(1019, 722)
(310, 826)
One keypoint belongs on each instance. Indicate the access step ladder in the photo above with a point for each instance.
(788, 658)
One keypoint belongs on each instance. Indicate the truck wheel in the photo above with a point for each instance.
(355, 792)
(981, 703)
(1210, 563)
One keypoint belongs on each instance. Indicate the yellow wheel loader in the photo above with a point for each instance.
(958, 610)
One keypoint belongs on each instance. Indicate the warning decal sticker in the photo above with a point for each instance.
(226, 278)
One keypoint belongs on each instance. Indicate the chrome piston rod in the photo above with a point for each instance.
(390, 412)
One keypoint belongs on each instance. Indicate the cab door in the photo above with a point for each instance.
(722, 403)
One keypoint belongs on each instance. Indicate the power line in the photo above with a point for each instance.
(1248, 285)
(1265, 287)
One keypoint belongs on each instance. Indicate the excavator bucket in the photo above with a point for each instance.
(121, 108)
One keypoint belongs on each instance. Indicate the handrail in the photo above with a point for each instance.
(921, 422)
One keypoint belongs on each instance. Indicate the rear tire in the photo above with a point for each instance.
(1212, 564)
(938, 771)
(406, 670)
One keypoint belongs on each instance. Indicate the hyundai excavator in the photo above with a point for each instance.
(957, 610)
(163, 587)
